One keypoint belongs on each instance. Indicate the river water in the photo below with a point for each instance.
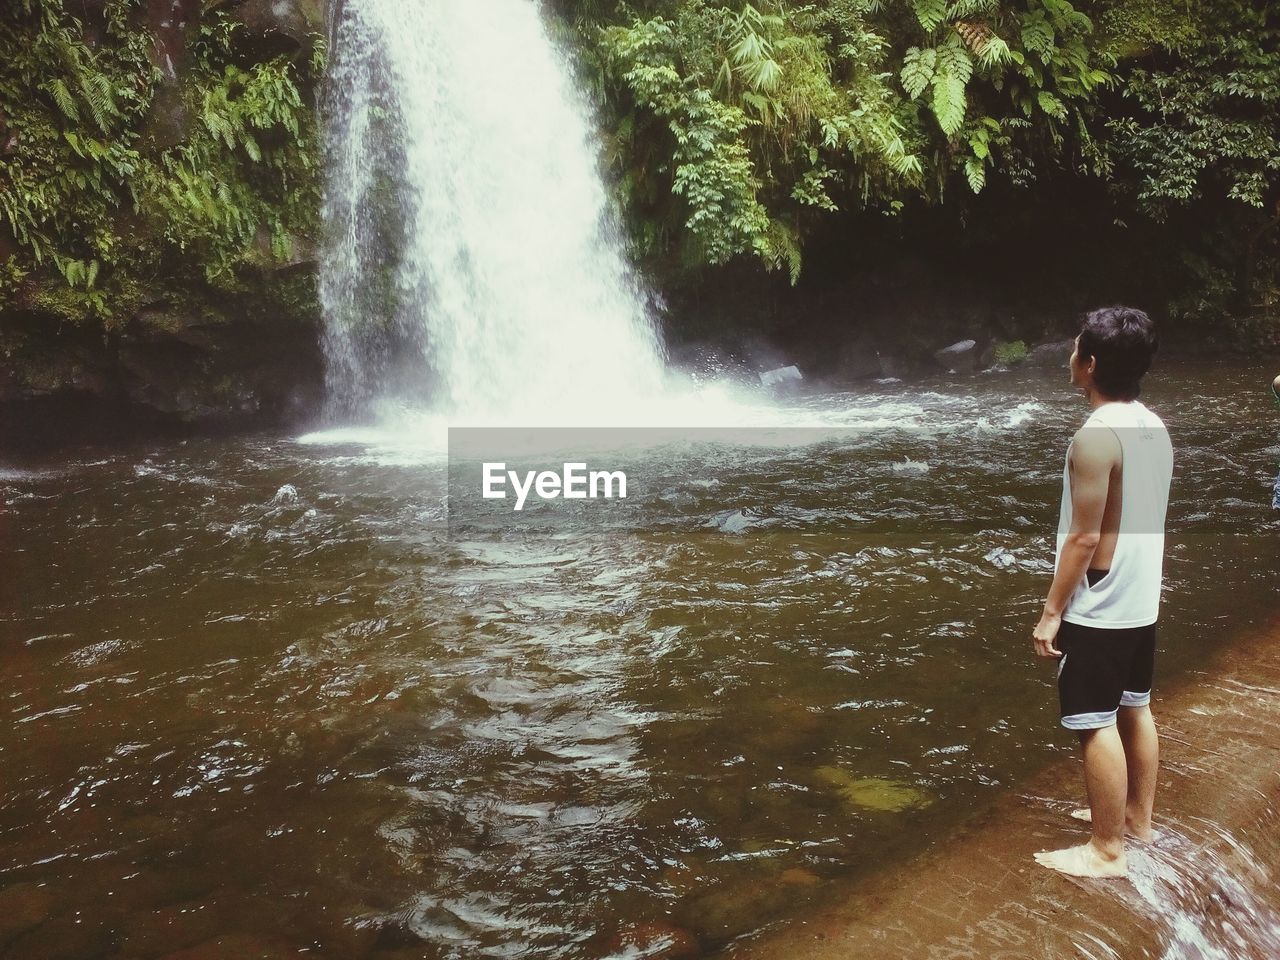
(253, 687)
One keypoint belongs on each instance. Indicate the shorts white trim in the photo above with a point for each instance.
(1130, 699)
(1090, 721)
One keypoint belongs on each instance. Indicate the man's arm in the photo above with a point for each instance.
(1275, 390)
(1094, 452)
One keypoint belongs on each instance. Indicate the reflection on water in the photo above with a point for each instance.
(253, 690)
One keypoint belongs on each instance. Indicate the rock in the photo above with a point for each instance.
(893, 367)
(730, 910)
(781, 376)
(1055, 353)
(960, 357)
(301, 253)
(172, 25)
(860, 359)
(22, 906)
(879, 794)
(184, 361)
(275, 27)
(169, 120)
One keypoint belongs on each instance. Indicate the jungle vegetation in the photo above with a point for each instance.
(134, 155)
(744, 128)
(735, 132)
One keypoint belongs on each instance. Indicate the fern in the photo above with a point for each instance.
(930, 13)
(917, 70)
(752, 52)
(954, 60)
(995, 52)
(61, 94)
(1051, 105)
(1038, 34)
(96, 89)
(949, 103)
(964, 9)
(975, 172)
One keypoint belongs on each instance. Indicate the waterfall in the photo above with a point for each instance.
(472, 268)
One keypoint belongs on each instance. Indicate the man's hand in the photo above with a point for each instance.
(1045, 635)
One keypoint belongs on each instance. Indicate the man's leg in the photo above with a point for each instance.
(1107, 783)
(1142, 755)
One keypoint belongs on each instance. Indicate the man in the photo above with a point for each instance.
(1100, 615)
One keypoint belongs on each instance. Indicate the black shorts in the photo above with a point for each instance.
(1101, 670)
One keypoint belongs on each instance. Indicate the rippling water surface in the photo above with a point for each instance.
(253, 688)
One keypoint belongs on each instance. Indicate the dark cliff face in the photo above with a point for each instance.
(188, 361)
(159, 211)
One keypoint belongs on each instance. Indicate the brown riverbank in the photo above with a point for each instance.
(1204, 889)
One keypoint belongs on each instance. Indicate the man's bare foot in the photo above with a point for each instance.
(1146, 835)
(1082, 861)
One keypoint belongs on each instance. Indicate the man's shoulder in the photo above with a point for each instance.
(1131, 415)
(1094, 443)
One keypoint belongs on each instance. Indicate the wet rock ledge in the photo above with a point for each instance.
(1205, 888)
(244, 363)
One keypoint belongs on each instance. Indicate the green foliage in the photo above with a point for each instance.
(981, 62)
(1010, 352)
(1198, 130)
(1209, 119)
(762, 117)
(86, 193)
(731, 129)
(755, 118)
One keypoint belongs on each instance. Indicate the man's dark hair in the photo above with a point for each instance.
(1123, 341)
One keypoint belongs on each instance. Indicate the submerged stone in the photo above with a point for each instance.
(873, 793)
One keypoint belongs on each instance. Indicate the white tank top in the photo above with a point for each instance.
(1129, 595)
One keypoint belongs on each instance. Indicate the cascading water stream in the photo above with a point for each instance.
(472, 268)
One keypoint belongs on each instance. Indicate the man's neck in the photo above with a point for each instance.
(1096, 399)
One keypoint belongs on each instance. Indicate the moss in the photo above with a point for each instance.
(1010, 352)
